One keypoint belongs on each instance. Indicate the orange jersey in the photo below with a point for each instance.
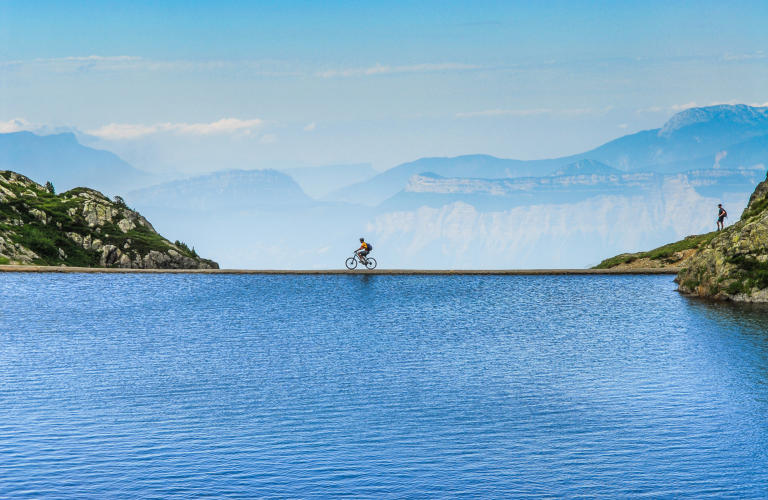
(364, 246)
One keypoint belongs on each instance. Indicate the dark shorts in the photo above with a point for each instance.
(720, 219)
(364, 252)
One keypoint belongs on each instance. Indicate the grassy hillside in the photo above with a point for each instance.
(80, 227)
(731, 264)
(670, 255)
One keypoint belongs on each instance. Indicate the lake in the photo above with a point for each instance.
(185, 386)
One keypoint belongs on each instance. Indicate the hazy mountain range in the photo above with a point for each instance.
(228, 188)
(320, 181)
(692, 139)
(60, 159)
(638, 191)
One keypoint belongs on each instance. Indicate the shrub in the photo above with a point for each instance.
(691, 284)
(39, 243)
(185, 248)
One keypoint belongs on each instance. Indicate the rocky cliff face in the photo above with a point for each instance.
(734, 265)
(81, 227)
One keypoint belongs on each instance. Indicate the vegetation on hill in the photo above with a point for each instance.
(731, 264)
(734, 265)
(81, 227)
(670, 255)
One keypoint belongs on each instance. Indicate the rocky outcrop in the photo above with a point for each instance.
(734, 265)
(676, 255)
(81, 227)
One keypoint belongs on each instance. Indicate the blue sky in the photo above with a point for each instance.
(197, 86)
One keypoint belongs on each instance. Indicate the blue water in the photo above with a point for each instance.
(378, 387)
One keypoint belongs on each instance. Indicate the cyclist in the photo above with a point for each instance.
(365, 249)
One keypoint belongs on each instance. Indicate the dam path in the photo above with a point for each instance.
(378, 272)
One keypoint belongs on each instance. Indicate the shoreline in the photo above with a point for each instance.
(376, 272)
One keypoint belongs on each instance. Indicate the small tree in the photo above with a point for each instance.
(49, 187)
(182, 245)
(119, 201)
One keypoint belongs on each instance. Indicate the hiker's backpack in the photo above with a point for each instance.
(725, 214)
(370, 247)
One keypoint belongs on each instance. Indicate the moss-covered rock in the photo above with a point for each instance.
(678, 254)
(734, 265)
(731, 264)
(81, 227)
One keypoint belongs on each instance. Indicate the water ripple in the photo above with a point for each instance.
(378, 387)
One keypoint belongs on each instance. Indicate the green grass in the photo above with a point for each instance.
(756, 209)
(691, 284)
(46, 239)
(663, 252)
(750, 273)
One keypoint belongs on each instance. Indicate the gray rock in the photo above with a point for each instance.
(156, 260)
(109, 255)
(730, 267)
(126, 225)
(39, 215)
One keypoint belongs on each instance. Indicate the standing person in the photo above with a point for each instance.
(721, 215)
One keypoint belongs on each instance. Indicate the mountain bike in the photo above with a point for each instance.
(368, 262)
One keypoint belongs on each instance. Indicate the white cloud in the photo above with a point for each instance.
(683, 107)
(225, 125)
(741, 57)
(268, 139)
(577, 111)
(310, 127)
(623, 125)
(379, 69)
(733, 102)
(86, 59)
(77, 64)
(15, 125)
(497, 112)
(116, 131)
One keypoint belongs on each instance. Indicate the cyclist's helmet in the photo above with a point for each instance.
(362, 240)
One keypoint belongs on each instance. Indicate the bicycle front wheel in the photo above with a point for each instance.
(351, 263)
(370, 263)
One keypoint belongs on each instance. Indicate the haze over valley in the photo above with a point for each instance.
(474, 211)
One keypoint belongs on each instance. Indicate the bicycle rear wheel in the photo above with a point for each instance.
(351, 263)
(370, 263)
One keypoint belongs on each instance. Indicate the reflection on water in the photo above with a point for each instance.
(380, 386)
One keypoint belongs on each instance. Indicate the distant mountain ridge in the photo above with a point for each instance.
(320, 181)
(427, 190)
(750, 119)
(60, 159)
(474, 211)
(691, 139)
(386, 184)
(227, 188)
(586, 167)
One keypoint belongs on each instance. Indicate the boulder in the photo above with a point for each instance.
(734, 265)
